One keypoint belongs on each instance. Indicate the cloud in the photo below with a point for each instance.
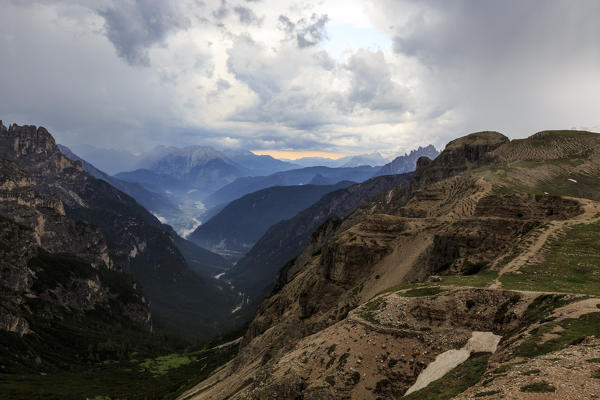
(371, 83)
(306, 32)
(246, 16)
(264, 74)
(222, 12)
(133, 26)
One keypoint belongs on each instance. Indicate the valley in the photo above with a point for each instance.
(421, 285)
(299, 200)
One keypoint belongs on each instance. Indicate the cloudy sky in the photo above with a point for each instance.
(341, 76)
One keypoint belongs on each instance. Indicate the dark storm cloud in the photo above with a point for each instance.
(456, 66)
(135, 25)
(454, 32)
(488, 60)
(286, 24)
(307, 32)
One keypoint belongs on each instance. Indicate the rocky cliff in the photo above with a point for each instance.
(54, 274)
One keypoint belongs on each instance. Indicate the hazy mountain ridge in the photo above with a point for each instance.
(372, 159)
(186, 176)
(243, 186)
(408, 162)
(153, 202)
(243, 221)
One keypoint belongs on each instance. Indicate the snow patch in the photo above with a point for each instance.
(480, 342)
(572, 180)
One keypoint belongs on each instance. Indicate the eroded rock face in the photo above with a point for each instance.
(528, 207)
(33, 227)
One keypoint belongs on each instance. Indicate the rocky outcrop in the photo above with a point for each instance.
(468, 152)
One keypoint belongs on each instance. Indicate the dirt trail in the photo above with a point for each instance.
(591, 211)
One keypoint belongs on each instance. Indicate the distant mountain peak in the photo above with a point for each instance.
(408, 162)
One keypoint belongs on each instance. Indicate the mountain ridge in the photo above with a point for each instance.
(243, 221)
(375, 297)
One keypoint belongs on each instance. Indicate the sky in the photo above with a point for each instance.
(328, 76)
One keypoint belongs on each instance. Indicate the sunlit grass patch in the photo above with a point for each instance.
(161, 365)
(572, 264)
(481, 279)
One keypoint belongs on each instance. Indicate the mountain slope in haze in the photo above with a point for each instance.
(454, 257)
(372, 159)
(303, 176)
(408, 162)
(196, 167)
(243, 221)
(111, 161)
(259, 165)
(255, 273)
(136, 241)
(153, 202)
(186, 176)
(200, 167)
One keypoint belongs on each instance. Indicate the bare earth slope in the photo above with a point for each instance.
(491, 236)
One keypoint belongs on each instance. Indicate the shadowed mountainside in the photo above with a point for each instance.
(326, 175)
(243, 221)
(255, 274)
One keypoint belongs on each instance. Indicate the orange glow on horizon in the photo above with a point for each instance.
(294, 155)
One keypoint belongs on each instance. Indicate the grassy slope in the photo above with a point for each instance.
(162, 377)
(572, 264)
